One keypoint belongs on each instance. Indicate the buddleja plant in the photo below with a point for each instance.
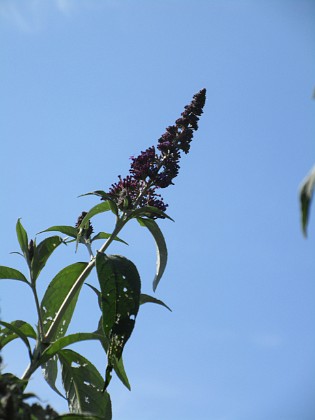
(119, 295)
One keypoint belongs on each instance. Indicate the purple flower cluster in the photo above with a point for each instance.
(150, 171)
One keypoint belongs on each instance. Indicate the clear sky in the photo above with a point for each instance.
(86, 84)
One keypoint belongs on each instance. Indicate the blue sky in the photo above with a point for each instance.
(86, 84)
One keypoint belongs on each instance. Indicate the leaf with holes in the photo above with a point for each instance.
(42, 252)
(83, 385)
(50, 373)
(119, 364)
(120, 294)
(56, 293)
(161, 250)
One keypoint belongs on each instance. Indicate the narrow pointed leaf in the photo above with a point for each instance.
(11, 274)
(306, 195)
(42, 252)
(104, 235)
(147, 298)
(66, 230)
(10, 333)
(150, 211)
(50, 373)
(120, 292)
(62, 342)
(56, 293)
(105, 197)
(22, 238)
(16, 329)
(99, 208)
(161, 250)
(83, 385)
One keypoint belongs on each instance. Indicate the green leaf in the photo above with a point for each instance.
(149, 211)
(99, 208)
(66, 230)
(83, 385)
(56, 293)
(119, 364)
(161, 250)
(106, 197)
(306, 195)
(120, 291)
(147, 298)
(50, 373)
(11, 274)
(22, 238)
(104, 235)
(42, 252)
(62, 342)
(14, 330)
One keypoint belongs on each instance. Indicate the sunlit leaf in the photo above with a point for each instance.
(11, 274)
(120, 291)
(306, 195)
(106, 197)
(62, 342)
(56, 293)
(42, 252)
(83, 385)
(22, 238)
(14, 330)
(147, 298)
(161, 250)
(66, 230)
(99, 208)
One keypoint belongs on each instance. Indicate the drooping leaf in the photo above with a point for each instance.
(105, 197)
(119, 364)
(120, 291)
(62, 342)
(104, 235)
(83, 385)
(149, 211)
(42, 252)
(22, 238)
(14, 330)
(56, 293)
(50, 373)
(11, 274)
(147, 298)
(161, 250)
(66, 230)
(99, 208)
(306, 195)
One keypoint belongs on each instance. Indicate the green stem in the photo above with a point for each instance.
(40, 320)
(78, 283)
